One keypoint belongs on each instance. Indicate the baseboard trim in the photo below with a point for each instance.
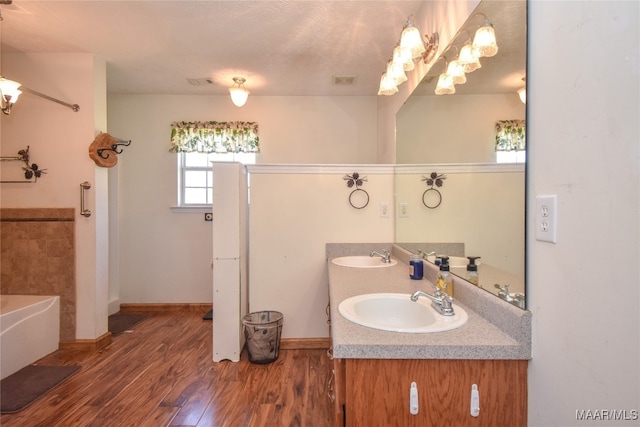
(304, 343)
(161, 307)
(96, 344)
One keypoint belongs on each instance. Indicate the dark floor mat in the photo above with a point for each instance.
(121, 322)
(208, 315)
(24, 387)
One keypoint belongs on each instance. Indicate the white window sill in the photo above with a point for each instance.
(191, 209)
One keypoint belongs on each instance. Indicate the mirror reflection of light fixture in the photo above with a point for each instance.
(445, 84)
(239, 93)
(522, 92)
(469, 58)
(485, 39)
(10, 90)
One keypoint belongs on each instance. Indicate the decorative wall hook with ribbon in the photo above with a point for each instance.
(104, 149)
(432, 198)
(358, 198)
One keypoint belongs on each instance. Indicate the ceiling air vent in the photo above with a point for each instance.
(200, 82)
(344, 80)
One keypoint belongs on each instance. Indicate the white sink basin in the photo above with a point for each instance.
(397, 313)
(362, 261)
(454, 261)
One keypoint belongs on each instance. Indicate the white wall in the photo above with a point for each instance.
(165, 256)
(295, 211)
(59, 139)
(452, 129)
(584, 146)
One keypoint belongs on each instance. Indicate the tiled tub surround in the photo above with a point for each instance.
(495, 329)
(37, 250)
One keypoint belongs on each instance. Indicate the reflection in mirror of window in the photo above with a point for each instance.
(519, 156)
(196, 177)
(511, 141)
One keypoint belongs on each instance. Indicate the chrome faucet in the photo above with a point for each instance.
(386, 256)
(515, 299)
(441, 302)
(425, 255)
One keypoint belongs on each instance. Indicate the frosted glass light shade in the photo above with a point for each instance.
(395, 71)
(403, 56)
(445, 85)
(485, 40)
(468, 58)
(387, 85)
(456, 71)
(522, 93)
(412, 40)
(239, 96)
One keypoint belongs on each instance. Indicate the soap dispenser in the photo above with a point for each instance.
(472, 270)
(445, 281)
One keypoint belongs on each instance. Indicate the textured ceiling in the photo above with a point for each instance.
(283, 48)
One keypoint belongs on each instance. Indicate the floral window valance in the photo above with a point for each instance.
(215, 137)
(510, 135)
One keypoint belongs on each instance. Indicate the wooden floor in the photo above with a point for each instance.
(162, 374)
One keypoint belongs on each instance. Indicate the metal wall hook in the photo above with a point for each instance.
(114, 147)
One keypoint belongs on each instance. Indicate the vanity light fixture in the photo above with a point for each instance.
(10, 90)
(387, 85)
(485, 39)
(395, 71)
(408, 50)
(238, 92)
(411, 39)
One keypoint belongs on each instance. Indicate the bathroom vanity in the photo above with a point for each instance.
(374, 369)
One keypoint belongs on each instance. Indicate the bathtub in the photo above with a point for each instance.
(29, 330)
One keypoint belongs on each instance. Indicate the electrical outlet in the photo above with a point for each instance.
(208, 216)
(546, 218)
(384, 210)
(404, 210)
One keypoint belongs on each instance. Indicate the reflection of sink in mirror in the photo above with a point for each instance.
(455, 261)
(397, 313)
(362, 261)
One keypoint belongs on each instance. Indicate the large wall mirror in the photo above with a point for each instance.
(481, 202)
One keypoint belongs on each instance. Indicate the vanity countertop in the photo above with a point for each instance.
(479, 338)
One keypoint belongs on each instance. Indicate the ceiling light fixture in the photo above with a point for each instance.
(239, 93)
(485, 39)
(522, 92)
(10, 91)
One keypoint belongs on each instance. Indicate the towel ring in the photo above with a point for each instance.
(436, 196)
(359, 198)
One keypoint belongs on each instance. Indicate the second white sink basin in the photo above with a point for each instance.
(362, 261)
(397, 313)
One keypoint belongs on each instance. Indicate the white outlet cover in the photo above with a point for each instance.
(547, 218)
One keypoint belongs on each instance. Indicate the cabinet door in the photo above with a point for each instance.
(377, 392)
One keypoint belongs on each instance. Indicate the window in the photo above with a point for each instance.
(200, 143)
(195, 181)
(511, 141)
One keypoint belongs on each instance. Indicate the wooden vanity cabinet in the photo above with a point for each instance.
(376, 392)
